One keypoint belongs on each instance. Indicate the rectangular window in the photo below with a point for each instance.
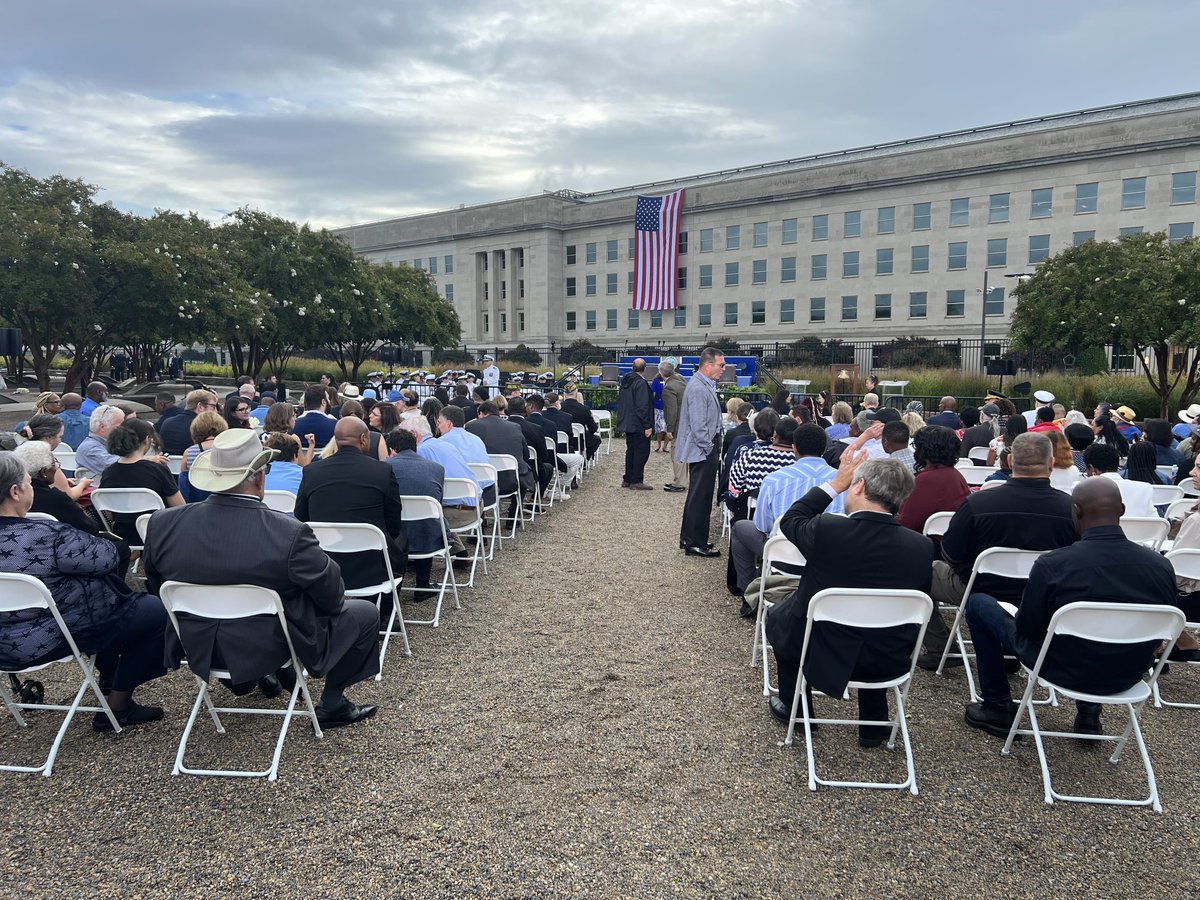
(571, 286)
(483, 256)
(629, 283)
(590, 253)
(918, 304)
(570, 320)
(705, 315)
(591, 320)
(448, 265)
(995, 302)
(1039, 248)
(632, 248)
(570, 254)
(520, 321)
(680, 279)
(790, 229)
(922, 216)
(883, 306)
(610, 283)
(960, 212)
(731, 313)
(1132, 229)
(850, 264)
(1133, 193)
(503, 322)
(418, 263)
(787, 268)
(920, 258)
(610, 249)
(850, 309)
(1183, 187)
(519, 254)
(887, 220)
(633, 318)
(433, 265)
(883, 261)
(682, 243)
(758, 271)
(957, 255)
(852, 223)
(787, 311)
(819, 266)
(503, 264)
(706, 240)
(760, 234)
(956, 303)
(656, 318)
(1041, 203)
(758, 312)
(706, 276)
(1082, 237)
(485, 290)
(731, 274)
(681, 317)
(997, 252)
(1179, 230)
(733, 237)
(1087, 197)
(997, 208)
(503, 291)
(816, 309)
(450, 292)
(820, 227)
(590, 285)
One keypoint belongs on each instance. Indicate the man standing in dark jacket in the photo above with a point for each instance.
(635, 417)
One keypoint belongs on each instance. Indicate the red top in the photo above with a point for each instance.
(938, 489)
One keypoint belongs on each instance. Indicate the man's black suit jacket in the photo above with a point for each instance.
(562, 422)
(536, 438)
(500, 436)
(351, 487)
(864, 550)
(580, 415)
(465, 404)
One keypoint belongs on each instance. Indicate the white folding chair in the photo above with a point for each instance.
(175, 464)
(40, 516)
(487, 472)
(66, 459)
(1108, 623)
(863, 608)
(228, 602)
(937, 524)
(362, 537)
(1147, 530)
(979, 453)
(776, 550)
(506, 462)
(1189, 488)
(23, 594)
(604, 426)
(281, 501)
(1169, 471)
(579, 444)
(988, 485)
(1180, 508)
(1165, 494)
(962, 463)
(464, 489)
(974, 475)
(537, 505)
(557, 489)
(1187, 565)
(416, 508)
(108, 502)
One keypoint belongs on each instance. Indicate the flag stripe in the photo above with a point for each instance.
(656, 226)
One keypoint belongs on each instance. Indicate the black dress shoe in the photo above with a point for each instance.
(870, 741)
(270, 687)
(287, 678)
(425, 592)
(707, 552)
(747, 611)
(348, 713)
(994, 717)
(710, 545)
(1087, 721)
(133, 714)
(674, 489)
(779, 709)
(1178, 654)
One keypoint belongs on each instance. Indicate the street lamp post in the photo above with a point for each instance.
(983, 324)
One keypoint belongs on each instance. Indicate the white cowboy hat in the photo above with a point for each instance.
(236, 454)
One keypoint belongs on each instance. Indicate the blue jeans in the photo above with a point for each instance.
(994, 632)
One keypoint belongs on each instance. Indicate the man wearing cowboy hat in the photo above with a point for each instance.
(234, 538)
(1124, 416)
(1040, 399)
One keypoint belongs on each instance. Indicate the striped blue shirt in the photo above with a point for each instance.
(785, 486)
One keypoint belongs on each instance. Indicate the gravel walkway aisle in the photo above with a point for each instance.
(588, 724)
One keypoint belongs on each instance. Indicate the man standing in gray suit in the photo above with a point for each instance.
(698, 443)
(674, 388)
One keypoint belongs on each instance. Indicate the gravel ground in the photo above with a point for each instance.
(588, 725)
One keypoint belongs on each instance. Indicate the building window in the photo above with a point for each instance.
(758, 271)
(731, 313)
(433, 265)
(448, 265)
(1082, 237)
(997, 249)
(997, 208)
(611, 251)
(705, 315)
(706, 276)
(790, 229)
(850, 264)
(850, 309)
(816, 309)
(590, 285)
(819, 266)
(682, 243)
(787, 268)
(957, 255)
(1179, 230)
(503, 322)
(485, 290)
(591, 320)
(629, 283)
(681, 317)
(995, 302)
(1132, 229)
(1133, 193)
(733, 237)
(633, 318)
(450, 292)
(503, 259)
(760, 234)
(520, 254)
(656, 318)
(960, 212)
(1183, 187)
(920, 258)
(1039, 248)
(1087, 197)
(520, 321)
(820, 227)
(482, 256)
(956, 303)
(787, 311)
(883, 306)
(852, 223)
(632, 248)
(922, 216)
(571, 286)
(680, 279)
(570, 320)
(918, 303)
(883, 261)
(570, 254)
(610, 283)
(590, 253)
(610, 319)
(887, 220)
(706, 240)
(1041, 203)
(731, 274)
(418, 263)
(758, 312)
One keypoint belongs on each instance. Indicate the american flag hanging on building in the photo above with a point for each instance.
(656, 224)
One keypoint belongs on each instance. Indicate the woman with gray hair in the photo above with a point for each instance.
(42, 467)
(123, 630)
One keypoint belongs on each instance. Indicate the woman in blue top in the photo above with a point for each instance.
(660, 421)
(284, 473)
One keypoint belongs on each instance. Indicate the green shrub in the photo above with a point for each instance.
(1092, 361)
(523, 356)
(580, 351)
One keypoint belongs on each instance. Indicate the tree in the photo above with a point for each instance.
(417, 313)
(1142, 288)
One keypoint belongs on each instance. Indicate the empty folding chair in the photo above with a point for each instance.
(974, 475)
(1108, 623)
(1187, 565)
(506, 462)
(487, 472)
(604, 427)
(226, 603)
(862, 608)
(24, 594)
(776, 551)
(1147, 530)
(362, 537)
(415, 509)
(978, 454)
(464, 489)
(1165, 494)
(280, 501)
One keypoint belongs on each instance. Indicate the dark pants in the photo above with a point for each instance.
(697, 509)
(872, 704)
(637, 451)
(355, 634)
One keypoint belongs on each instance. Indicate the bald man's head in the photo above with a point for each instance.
(352, 432)
(1096, 501)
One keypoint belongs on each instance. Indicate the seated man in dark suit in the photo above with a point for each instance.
(534, 437)
(501, 436)
(868, 548)
(234, 538)
(416, 476)
(350, 486)
(463, 401)
(1103, 566)
(572, 405)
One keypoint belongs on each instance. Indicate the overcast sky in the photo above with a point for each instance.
(344, 112)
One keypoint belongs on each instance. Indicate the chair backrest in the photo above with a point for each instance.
(65, 456)
(281, 501)
(1149, 529)
(609, 372)
(1179, 508)
(961, 463)
(988, 485)
(577, 430)
(1117, 623)
(1165, 494)
(175, 464)
(20, 592)
(505, 462)
(601, 417)
(779, 549)
(460, 489)
(1169, 471)
(550, 445)
(1007, 562)
(126, 500)
(865, 608)
(418, 508)
(142, 525)
(40, 517)
(483, 471)
(348, 537)
(562, 438)
(937, 523)
(975, 475)
(1186, 563)
(220, 601)
(978, 453)
(1189, 489)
